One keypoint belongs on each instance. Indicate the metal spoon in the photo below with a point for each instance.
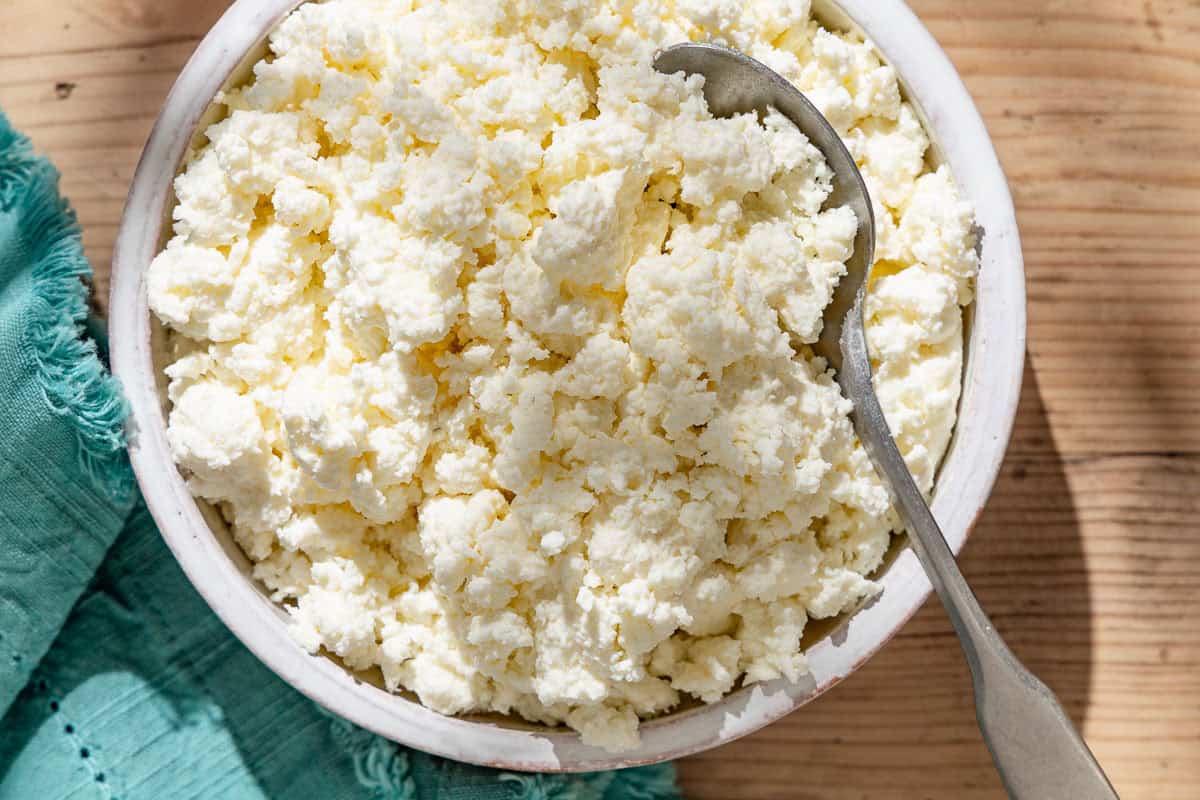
(1038, 752)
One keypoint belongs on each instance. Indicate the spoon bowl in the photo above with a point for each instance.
(737, 84)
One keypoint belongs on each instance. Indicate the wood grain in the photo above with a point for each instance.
(1088, 556)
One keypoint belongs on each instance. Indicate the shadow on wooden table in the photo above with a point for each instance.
(1026, 559)
(904, 726)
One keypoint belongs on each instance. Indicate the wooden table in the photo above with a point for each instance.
(1088, 557)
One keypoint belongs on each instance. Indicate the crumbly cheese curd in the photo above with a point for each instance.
(490, 343)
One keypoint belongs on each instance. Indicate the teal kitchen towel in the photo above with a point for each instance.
(116, 680)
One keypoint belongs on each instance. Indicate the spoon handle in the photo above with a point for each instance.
(1037, 750)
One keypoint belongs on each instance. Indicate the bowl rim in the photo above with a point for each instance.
(992, 384)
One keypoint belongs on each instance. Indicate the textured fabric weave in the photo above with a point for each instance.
(116, 680)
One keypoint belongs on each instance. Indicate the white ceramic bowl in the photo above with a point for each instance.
(221, 573)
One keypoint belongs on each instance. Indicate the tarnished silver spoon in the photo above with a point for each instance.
(1038, 752)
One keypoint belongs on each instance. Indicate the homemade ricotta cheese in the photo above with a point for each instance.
(490, 343)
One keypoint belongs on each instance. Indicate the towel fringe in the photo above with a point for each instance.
(533, 786)
(67, 365)
(639, 783)
(379, 765)
(645, 783)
